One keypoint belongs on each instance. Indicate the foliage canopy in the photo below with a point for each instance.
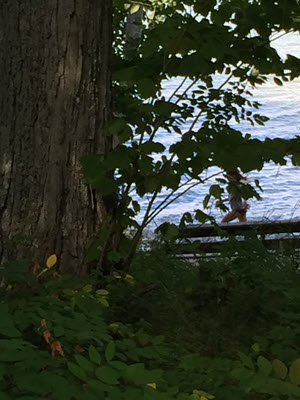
(220, 51)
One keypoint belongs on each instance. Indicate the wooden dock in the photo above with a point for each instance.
(273, 235)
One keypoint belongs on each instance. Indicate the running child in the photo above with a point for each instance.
(238, 206)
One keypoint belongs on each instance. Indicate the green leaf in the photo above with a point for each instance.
(201, 216)
(242, 374)
(116, 394)
(85, 364)
(28, 383)
(280, 369)
(4, 396)
(152, 147)
(7, 327)
(15, 271)
(94, 355)
(206, 200)
(296, 158)
(119, 157)
(168, 231)
(264, 365)
(294, 372)
(87, 288)
(107, 375)
(136, 206)
(216, 191)
(118, 365)
(146, 87)
(58, 331)
(97, 387)
(256, 347)
(14, 354)
(97, 176)
(76, 371)
(110, 351)
(202, 393)
(117, 125)
(137, 374)
(246, 360)
(278, 81)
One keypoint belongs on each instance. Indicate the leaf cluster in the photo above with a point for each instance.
(219, 52)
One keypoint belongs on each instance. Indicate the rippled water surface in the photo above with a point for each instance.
(281, 184)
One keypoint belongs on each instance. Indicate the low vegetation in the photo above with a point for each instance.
(226, 328)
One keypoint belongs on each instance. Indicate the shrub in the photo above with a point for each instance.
(56, 343)
(59, 339)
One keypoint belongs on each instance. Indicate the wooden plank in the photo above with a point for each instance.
(206, 230)
(215, 247)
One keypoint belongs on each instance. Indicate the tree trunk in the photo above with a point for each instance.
(55, 102)
(133, 32)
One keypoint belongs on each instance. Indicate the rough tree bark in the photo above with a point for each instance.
(54, 108)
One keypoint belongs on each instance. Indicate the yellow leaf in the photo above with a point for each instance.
(129, 279)
(204, 395)
(254, 72)
(134, 8)
(102, 292)
(127, 6)
(103, 301)
(117, 276)
(52, 260)
(128, 276)
(152, 385)
(114, 325)
(151, 14)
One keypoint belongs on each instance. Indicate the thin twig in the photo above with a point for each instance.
(177, 89)
(219, 88)
(161, 207)
(161, 120)
(146, 216)
(169, 196)
(195, 121)
(186, 90)
(172, 201)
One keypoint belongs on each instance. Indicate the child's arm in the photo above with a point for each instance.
(220, 202)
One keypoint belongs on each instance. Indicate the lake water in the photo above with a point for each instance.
(281, 184)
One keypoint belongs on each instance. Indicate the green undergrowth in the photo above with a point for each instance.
(216, 304)
(224, 328)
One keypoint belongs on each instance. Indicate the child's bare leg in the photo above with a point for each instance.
(242, 217)
(230, 216)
